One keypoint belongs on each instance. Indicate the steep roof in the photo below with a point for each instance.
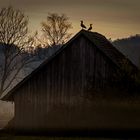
(105, 46)
(97, 39)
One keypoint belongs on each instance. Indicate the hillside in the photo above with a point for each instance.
(130, 47)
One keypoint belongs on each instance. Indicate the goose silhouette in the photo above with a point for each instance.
(82, 25)
(90, 28)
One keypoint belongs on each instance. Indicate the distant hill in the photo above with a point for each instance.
(130, 47)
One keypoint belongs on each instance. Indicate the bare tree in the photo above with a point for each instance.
(15, 46)
(56, 29)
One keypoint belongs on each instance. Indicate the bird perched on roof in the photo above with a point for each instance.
(82, 25)
(90, 28)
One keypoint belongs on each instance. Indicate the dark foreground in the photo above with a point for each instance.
(111, 119)
(77, 135)
(51, 138)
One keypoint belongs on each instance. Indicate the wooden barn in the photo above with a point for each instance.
(54, 96)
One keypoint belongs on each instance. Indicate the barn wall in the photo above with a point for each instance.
(55, 96)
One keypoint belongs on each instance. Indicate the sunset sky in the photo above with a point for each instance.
(112, 18)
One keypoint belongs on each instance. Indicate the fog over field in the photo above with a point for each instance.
(6, 112)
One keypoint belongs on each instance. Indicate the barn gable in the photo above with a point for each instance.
(100, 43)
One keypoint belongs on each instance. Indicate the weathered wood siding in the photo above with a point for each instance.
(54, 97)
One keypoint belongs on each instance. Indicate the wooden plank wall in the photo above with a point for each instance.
(54, 96)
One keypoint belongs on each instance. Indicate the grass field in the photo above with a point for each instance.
(98, 135)
(51, 138)
(3, 123)
(106, 114)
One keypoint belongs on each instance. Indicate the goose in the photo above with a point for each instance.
(90, 28)
(82, 25)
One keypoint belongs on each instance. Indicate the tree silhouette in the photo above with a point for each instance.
(56, 29)
(15, 45)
